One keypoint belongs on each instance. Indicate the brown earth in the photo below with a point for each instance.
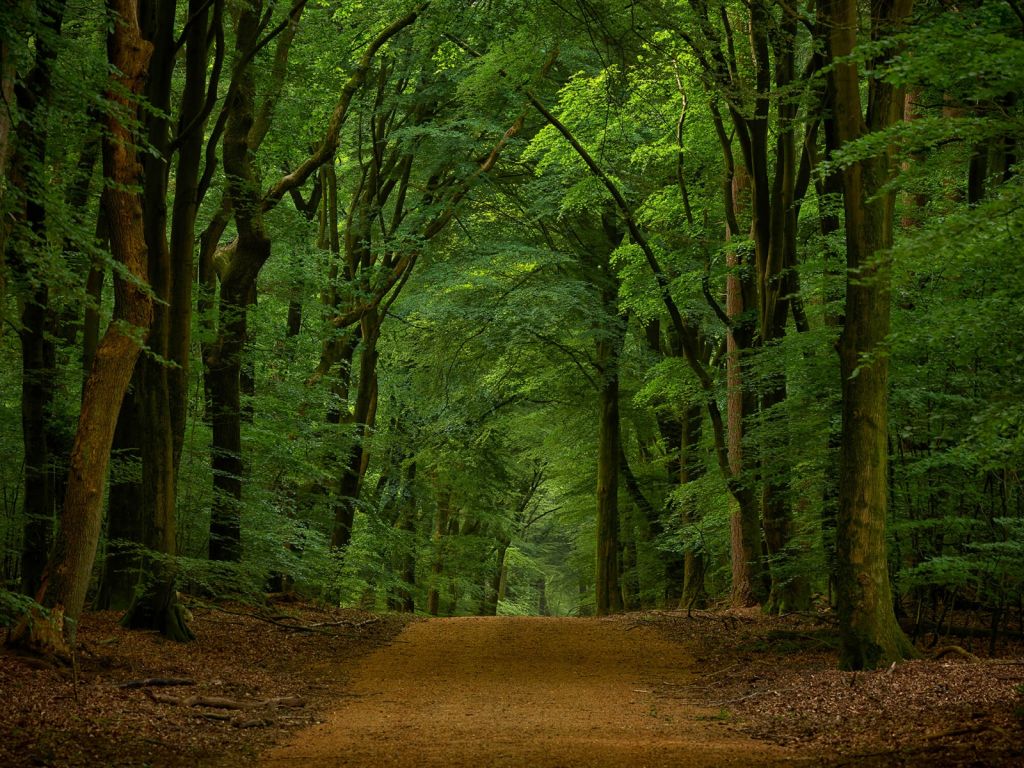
(524, 691)
(657, 688)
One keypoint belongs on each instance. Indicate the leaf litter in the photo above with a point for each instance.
(255, 676)
(777, 679)
(251, 677)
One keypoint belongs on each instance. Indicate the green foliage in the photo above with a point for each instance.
(13, 606)
(486, 425)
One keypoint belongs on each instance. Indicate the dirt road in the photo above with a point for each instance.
(523, 692)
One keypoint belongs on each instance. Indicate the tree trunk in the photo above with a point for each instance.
(222, 374)
(66, 579)
(745, 525)
(690, 470)
(28, 162)
(38, 379)
(790, 589)
(126, 523)
(629, 581)
(492, 595)
(238, 267)
(354, 467)
(405, 556)
(609, 592)
(870, 636)
(155, 606)
(441, 517)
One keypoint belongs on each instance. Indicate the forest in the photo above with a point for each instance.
(514, 308)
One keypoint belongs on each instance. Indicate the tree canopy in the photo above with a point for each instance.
(513, 307)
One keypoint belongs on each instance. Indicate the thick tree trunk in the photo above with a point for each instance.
(442, 516)
(191, 135)
(493, 586)
(38, 379)
(238, 268)
(126, 519)
(608, 589)
(870, 636)
(68, 571)
(354, 467)
(790, 589)
(28, 163)
(829, 191)
(155, 607)
(222, 375)
(405, 556)
(745, 525)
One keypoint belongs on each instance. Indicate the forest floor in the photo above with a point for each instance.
(310, 687)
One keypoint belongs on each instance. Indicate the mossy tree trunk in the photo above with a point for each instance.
(870, 636)
(66, 579)
(748, 573)
(609, 447)
(162, 389)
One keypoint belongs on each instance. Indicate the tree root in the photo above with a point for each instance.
(953, 650)
(42, 634)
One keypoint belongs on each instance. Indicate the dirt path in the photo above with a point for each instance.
(523, 692)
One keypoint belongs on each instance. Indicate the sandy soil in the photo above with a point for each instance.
(518, 691)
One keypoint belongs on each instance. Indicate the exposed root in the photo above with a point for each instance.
(953, 650)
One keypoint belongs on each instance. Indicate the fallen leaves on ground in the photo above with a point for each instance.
(777, 678)
(255, 674)
(276, 669)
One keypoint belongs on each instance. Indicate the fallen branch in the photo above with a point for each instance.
(157, 681)
(221, 702)
(290, 622)
(743, 698)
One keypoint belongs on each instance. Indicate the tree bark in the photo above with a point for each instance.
(442, 515)
(870, 636)
(155, 606)
(608, 589)
(126, 520)
(494, 586)
(28, 161)
(353, 467)
(67, 574)
(741, 403)
(691, 469)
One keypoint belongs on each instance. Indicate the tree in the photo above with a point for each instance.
(66, 578)
(162, 379)
(868, 629)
